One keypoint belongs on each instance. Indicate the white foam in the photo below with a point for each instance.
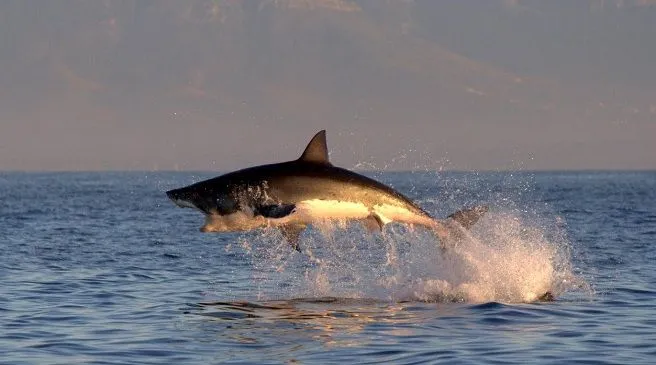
(504, 258)
(501, 260)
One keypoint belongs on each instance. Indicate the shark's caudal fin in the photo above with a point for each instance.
(449, 231)
(468, 217)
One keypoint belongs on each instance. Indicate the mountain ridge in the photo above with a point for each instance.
(207, 71)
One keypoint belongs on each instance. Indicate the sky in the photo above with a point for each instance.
(224, 84)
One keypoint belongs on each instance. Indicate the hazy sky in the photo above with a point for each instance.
(217, 85)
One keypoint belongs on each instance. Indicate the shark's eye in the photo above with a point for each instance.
(226, 205)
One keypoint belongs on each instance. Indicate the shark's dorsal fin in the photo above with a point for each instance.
(317, 150)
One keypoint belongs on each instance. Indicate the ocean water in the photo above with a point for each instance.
(100, 268)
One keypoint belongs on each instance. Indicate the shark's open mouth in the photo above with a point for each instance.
(184, 203)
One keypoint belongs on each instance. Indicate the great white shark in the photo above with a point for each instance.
(309, 190)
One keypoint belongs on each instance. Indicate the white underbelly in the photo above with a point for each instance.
(308, 211)
(315, 211)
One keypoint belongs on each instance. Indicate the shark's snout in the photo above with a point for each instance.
(175, 194)
(181, 198)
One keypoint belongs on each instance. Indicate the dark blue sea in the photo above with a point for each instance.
(101, 268)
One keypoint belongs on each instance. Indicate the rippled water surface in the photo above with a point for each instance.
(102, 268)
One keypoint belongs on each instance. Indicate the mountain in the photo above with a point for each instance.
(459, 84)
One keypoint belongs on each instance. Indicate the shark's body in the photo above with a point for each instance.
(310, 190)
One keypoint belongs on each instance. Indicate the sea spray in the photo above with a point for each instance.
(505, 258)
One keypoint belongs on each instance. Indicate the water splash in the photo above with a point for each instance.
(504, 258)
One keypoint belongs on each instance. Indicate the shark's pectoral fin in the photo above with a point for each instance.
(292, 232)
(275, 210)
(468, 217)
(373, 223)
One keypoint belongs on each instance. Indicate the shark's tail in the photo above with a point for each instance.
(468, 217)
(450, 230)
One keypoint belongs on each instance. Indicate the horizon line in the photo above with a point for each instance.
(34, 171)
